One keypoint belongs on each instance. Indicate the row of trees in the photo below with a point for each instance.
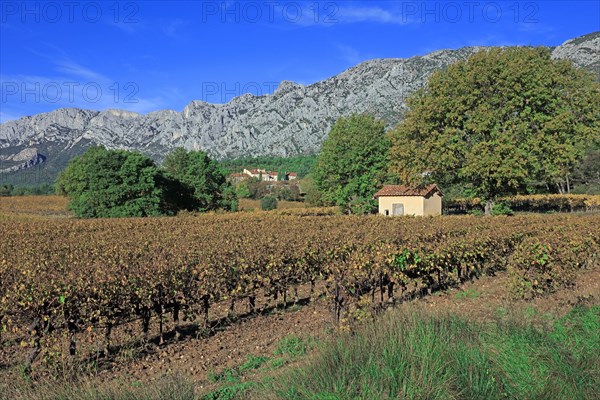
(118, 183)
(504, 121)
(12, 190)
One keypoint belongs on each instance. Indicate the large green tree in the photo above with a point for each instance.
(113, 183)
(203, 176)
(498, 123)
(352, 163)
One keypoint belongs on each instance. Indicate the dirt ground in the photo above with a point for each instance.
(230, 346)
(487, 297)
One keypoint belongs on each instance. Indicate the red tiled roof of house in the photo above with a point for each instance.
(403, 190)
(292, 174)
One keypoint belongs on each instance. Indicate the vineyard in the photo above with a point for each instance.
(531, 203)
(67, 285)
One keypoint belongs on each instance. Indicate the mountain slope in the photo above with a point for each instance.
(293, 120)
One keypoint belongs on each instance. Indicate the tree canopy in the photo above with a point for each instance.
(113, 183)
(203, 176)
(352, 163)
(499, 123)
(118, 183)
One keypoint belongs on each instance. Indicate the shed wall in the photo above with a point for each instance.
(413, 205)
(433, 205)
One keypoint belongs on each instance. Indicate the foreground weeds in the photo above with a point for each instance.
(175, 387)
(412, 355)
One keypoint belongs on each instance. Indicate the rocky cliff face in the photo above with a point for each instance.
(293, 120)
(24, 159)
(583, 51)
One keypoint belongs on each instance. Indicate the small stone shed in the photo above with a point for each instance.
(405, 200)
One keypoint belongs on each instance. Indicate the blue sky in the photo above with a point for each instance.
(149, 55)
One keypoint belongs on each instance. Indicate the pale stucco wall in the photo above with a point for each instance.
(433, 205)
(413, 205)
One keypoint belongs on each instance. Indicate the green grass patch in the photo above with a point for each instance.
(467, 294)
(229, 392)
(230, 379)
(252, 362)
(278, 362)
(414, 355)
(231, 375)
(293, 346)
(232, 386)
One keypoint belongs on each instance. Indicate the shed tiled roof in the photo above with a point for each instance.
(403, 190)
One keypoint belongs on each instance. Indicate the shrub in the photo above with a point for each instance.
(501, 209)
(268, 203)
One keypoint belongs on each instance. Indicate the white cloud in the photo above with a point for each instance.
(328, 14)
(172, 27)
(73, 85)
(79, 71)
(349, 54)
(372, 14)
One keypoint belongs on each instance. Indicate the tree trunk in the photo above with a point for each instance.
(489, 204)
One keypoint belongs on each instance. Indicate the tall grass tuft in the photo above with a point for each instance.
(171, 387)
(414, 355)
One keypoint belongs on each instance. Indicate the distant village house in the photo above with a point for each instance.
(405, 200)
(268, 176)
